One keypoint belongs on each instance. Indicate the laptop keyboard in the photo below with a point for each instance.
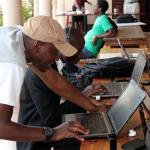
(115, 88)
(93, 121)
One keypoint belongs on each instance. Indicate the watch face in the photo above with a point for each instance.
(48, 132)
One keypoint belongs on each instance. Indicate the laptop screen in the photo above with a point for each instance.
(138, 67)
(124, 107)
(123, 49)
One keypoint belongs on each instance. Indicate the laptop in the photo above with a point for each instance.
(123, 49)
(104, 124)
(146, 85)
(116, 88)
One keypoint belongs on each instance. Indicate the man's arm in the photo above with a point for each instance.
(12, 131)
(109, 33)
(61, 86)
(76, 4)
(93, 89)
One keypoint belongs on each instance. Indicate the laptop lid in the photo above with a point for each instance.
(139, 64)
(139, 67)
(123, 49)
(116, 90)
(125, 106)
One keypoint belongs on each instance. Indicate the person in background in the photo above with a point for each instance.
(79, 4)
(36, 44)
(78, 21)
(40, 106)
(72, 69)
(132, 7)
(102, 28)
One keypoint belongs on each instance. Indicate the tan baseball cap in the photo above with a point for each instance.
(46, 29)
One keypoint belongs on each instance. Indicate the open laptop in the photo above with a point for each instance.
(116, 88)
(103, 124)
(146, 85)
(123, 49)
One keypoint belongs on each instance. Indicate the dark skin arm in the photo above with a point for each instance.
(18, 132)
(61, 86)
(76, 4)
(94, 88)
(12, 131)
(109, 33)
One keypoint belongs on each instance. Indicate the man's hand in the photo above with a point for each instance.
(94, 40)
(93, 89)
(69, 130)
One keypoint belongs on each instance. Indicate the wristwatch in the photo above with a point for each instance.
(48, 133)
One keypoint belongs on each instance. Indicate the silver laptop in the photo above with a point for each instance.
(116, 88)
(123, 49)
(103, 124)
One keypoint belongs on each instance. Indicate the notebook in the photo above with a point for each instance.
(123, 49)
(104, 124)
(116, 88)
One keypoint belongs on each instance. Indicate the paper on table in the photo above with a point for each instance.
(130, 24)
(109, 55)
(135, 54)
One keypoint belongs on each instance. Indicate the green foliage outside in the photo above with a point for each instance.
(27, 10)
(1, 19)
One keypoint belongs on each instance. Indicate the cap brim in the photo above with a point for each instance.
(66, 49)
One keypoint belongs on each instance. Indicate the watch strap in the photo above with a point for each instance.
(48, 133)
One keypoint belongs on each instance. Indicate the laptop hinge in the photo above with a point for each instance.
(108, 123)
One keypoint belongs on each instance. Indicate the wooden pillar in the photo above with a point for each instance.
(36, 7)
(12, 12)
(54, 9)
(60, 8)
(45, 7)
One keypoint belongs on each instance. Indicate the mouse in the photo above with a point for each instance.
(132, 132)
(98, 97)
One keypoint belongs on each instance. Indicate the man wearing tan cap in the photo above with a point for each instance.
(38, 44)
(40, 106)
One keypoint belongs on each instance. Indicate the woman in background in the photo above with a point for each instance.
(131, 7)
(102, 28)
(78, 20)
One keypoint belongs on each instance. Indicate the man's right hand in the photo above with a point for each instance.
(69, 130)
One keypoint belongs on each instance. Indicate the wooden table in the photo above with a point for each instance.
(104, 144)
(134, 121)
(130, 36)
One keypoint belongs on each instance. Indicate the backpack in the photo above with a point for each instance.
(114, 25)
(76, 77)
(109, 68)
(127, 18)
